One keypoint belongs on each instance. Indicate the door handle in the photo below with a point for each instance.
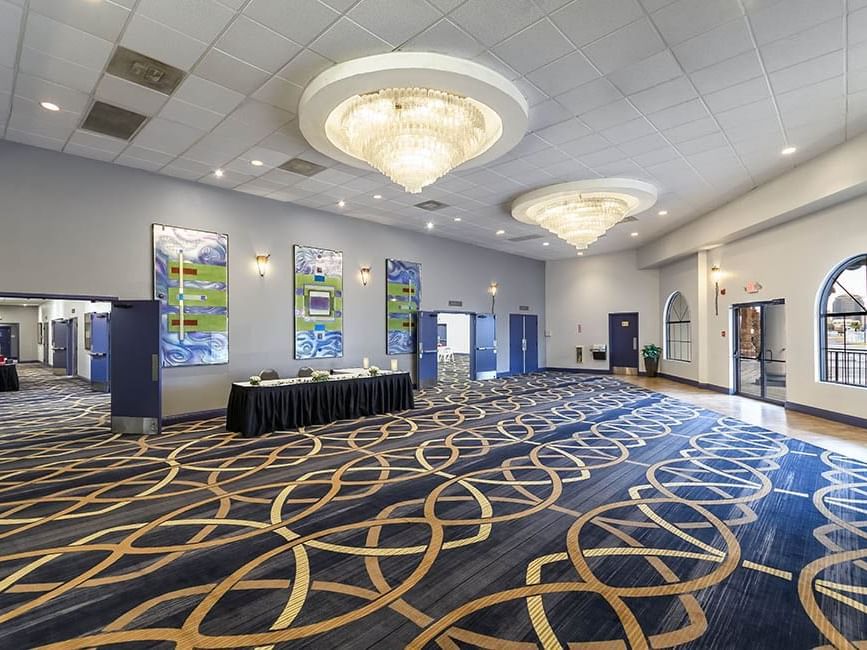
(155, 367)
(634, 342)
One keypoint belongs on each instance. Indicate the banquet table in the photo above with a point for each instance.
(8, 377)
(281, 405)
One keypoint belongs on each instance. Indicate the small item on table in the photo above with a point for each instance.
(373, 371)
(394, 365)
(255, 380)
(321, 375)
(365, 363)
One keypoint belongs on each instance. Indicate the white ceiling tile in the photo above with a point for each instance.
(346, 40)
(534, 47)
(654, 70)
(300, 20)
(784, 19)
(289, 144)
(126, 94)
(88, 152)
(684, 19)
(103, 19)
(34, 139)
(547, 113)
(532, 93)
(304, 67)
(280, 93)
(738, 95)
(394, 21)
(98, 141)
(207, 94)
(586, 21)
(824, 38)
(643, 145)
(226, 70)
(39, 90)
(31, 118)
(589, 96)
(670, 93)
(655, 156)
(563, 132)
(201, 19)
(727, 73)
(586, 145)
(691, 130)
(165, 136)
(760, 110)
(10, 25)
(565, 74)
(627, 131)
(162, 43)
(547, 157)
(140, 153)
(59, 71)
(495, 63)
(236, 131)
(253, 43)
(809, 72)
(446, 5)
(261, 114)
(177, 110)
(129, 161)
(512, 15)
(856, 31)
(703, 143)
(719, 44)
(635, 42)
(444, 37)
(183, 168)
(6, 77)
(857, 80)
(610, 115)
(65, 42)
(227, 180)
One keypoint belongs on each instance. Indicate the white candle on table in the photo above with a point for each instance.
(366, 363)
(394, 365)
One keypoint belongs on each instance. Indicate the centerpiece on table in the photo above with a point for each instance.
(373, 371)
(320, 375)
(255, 380)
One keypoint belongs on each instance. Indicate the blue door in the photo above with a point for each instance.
(6, 342)
(135, 368)
(531, 345)
(59, 342)
(516, 344)
(623, 336)
(72, 347)
(99, 351)
(483, 336)
(426, 346)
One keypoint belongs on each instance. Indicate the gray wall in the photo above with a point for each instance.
(25, 342)
(78, 226)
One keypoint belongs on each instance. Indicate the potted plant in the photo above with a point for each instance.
(651, 354)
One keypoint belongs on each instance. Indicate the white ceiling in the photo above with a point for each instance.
(695, 96)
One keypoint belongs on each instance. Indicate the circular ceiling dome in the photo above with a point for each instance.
(581, 212)
(414, 116)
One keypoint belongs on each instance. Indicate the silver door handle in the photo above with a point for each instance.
(634, 342)
(155, 367)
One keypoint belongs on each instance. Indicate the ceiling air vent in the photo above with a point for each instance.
(303, 167)
(145, 71)
(525, 238)
(431, 205)
(112, 120)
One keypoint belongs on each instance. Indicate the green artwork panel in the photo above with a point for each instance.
(318, 303)
(402, 300)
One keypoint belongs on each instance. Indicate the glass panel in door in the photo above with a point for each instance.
(749, 353)
(774, 351)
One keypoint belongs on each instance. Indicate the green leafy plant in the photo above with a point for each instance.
(651, 351)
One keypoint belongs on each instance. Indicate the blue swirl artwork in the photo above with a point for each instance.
(402, 300)
(192, 284)
(318, 303)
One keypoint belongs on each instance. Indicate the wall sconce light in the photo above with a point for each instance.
(715, 275)
(262, 264)
(365, 275)
(493, 291)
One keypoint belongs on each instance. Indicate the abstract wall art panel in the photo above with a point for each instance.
(318, 303)
(191, 281)
(402, 300)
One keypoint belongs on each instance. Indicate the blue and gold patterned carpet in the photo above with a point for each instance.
(550, 511)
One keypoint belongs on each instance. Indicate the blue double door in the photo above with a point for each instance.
(100, 351)
(523, 343)
(483, 347)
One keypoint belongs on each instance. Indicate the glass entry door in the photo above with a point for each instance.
(760, 350)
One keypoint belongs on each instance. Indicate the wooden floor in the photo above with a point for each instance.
(834, 436)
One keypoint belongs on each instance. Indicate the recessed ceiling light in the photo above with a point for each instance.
(218, 173)
(256, 163)
(580, 253)
(544, 243)
(501, 232)
(633, 234)
(49, 106)
(457, 218)
(430, 225)
(377, 196)
(662, 213)
(788, 151)
(341, 204)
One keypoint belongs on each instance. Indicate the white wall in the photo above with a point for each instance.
(583, 291)
(457, 331)
(681, 276)
(26, 319)
(56, 207)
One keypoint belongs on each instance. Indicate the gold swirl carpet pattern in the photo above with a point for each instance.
(548, 511)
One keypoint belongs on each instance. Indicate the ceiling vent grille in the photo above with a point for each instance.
(112, 121)
(303, 167)
(431, 205)
(525, 238)
(145, 71)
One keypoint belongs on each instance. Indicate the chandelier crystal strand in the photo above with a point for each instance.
(412, 135)
(580, 221)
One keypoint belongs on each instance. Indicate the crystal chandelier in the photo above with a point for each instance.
(579, 220)
(412, 135)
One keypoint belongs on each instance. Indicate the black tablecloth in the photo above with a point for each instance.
(8, 377)
(254, 410)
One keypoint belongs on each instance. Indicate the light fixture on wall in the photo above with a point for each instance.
(493, 291)
(365, 275)
(262, 262)
(715, 274)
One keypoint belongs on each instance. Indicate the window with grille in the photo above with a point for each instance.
(678, 335)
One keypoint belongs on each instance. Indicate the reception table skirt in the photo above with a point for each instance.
(8, 377)
(254, 410)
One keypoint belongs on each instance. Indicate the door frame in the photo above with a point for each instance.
(471, 315)
(611, 317)
(523, 315)
(736, 347)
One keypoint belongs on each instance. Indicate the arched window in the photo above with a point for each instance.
(678, 337)
(842, 324)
